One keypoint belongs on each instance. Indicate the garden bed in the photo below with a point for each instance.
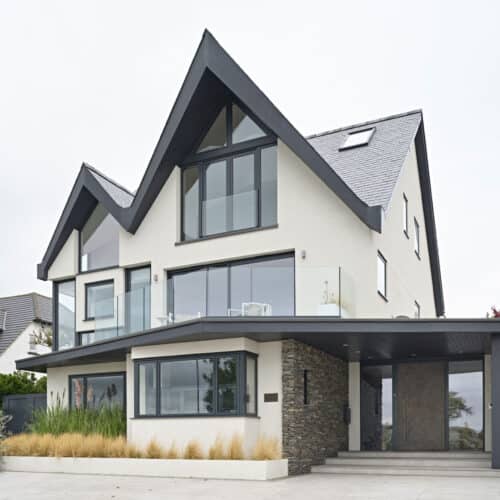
(177, 468)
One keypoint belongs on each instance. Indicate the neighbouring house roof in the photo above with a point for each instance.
(17, 312)
(363, 178)
(371, 171)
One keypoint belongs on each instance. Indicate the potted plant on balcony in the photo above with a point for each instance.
(329, 305)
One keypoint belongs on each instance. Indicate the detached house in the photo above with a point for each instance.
(25, 322)
(263, 282)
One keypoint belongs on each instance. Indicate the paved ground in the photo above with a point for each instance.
(21, 486)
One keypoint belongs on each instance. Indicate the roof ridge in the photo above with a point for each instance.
(109, 179)
(361, 124)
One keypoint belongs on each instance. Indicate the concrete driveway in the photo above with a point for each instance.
(27, 486)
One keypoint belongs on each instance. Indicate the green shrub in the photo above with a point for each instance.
(21, 383)
(108, 422)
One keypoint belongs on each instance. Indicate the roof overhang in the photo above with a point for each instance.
(367, 340)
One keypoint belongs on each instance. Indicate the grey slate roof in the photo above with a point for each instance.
(17, 312)
(122, 196)
(371, 171)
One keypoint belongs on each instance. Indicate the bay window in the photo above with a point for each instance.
(210, 384)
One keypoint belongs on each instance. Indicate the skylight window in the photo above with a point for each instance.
(358, 138)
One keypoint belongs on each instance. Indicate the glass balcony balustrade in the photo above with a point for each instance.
(243, 290)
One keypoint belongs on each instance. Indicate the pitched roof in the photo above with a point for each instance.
(371, 171)
(211, 74)
(17, 312)
(120, 195)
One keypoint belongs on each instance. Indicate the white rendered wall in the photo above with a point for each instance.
(355, 406)
(316, 222)
(66, 263)
(58, 378)
(487, 402)
(205, 429)
(20, 348)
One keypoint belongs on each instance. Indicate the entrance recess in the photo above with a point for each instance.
(420, 406)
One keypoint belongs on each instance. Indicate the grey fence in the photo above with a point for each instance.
(21, 407)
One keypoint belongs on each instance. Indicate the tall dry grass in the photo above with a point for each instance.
(96, 445)
(235, 448)
(266, 448)
(193, 451)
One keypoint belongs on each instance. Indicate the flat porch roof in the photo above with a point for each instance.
(367, 340)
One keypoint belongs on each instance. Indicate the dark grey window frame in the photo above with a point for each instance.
(229, 153)
(97, 283)
(406, 221)
(227, 264)
(128, 271)
(241, 402)
(417, 236)
(55, 313)
(418, 308)
(96, 375)
(382, 295)
(106, 268)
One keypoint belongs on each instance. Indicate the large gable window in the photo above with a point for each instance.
(99, 241)
(230, 183)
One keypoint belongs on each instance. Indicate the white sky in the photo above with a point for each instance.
(94, 81)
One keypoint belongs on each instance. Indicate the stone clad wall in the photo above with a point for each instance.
(313, 431)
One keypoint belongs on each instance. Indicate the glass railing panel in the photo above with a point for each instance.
(230, 213)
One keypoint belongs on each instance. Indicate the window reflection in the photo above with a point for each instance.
(465, 405)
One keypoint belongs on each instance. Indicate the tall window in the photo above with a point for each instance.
(405, 215)
(262, 287)
(381, 275)
(65, 314)
(211, 384)
(97, 391)
(417, 238)
(230, 183)
(99, 241)
(99, 300)
(416, 311)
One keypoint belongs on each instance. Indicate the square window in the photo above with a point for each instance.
(99, 300)
(357, 138)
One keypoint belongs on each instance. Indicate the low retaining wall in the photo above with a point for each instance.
(204, 469)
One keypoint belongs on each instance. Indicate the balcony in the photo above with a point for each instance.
(264, 291)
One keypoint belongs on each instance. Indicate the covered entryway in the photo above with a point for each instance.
(422, 405)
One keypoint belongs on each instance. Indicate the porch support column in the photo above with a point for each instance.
(355, 406)
(487, 402)
(495, 401)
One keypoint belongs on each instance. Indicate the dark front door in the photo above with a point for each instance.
(420, 406)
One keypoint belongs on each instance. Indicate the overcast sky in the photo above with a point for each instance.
(94, 81)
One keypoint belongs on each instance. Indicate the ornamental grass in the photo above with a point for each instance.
(72, 444)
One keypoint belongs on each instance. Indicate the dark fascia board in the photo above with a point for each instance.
(260, 328)
(210, 57)
(430, 222)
